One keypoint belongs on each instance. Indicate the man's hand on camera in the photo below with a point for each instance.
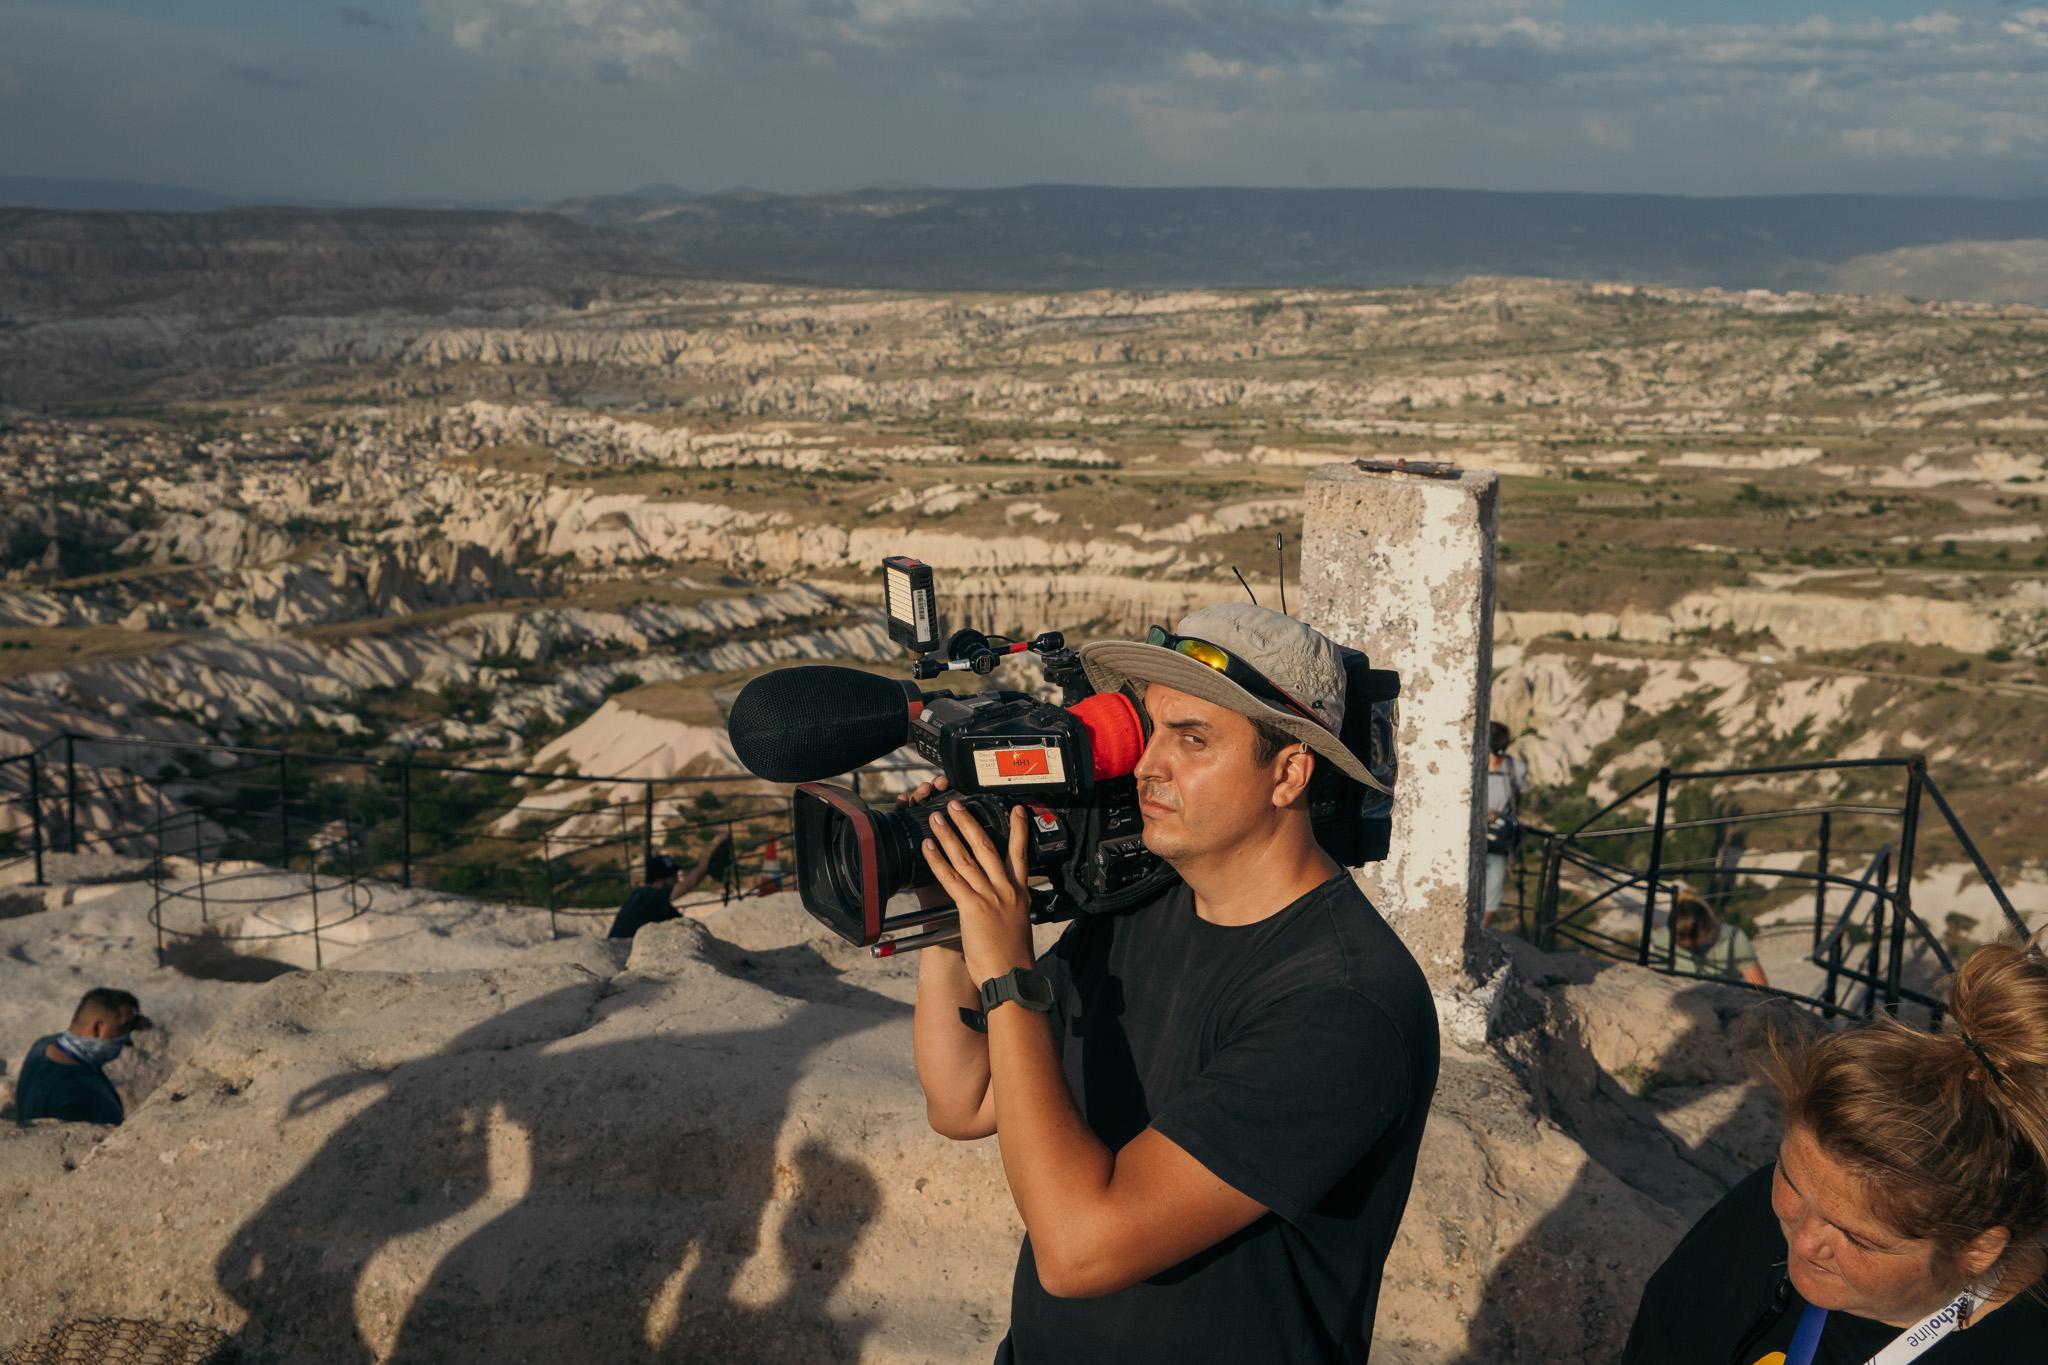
(928, 897)
(987, 886)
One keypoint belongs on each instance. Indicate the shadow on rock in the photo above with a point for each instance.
(209, 957)
(533, 1193)
(1652, 1079)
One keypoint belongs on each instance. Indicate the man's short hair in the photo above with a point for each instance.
(660, 868)
(113, 1003)
(1268, 740)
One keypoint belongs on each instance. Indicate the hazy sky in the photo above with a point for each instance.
(486, 99)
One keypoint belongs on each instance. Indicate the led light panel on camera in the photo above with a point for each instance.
(912, 603)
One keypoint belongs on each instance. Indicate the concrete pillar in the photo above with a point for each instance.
(1397, 559)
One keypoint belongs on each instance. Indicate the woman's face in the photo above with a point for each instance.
(1841, 1255)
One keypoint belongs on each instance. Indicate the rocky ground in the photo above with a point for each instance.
(460, 1141)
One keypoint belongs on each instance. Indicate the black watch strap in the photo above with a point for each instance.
(1025, 986)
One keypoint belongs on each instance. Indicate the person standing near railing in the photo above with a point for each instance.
(1507, 781)
(1698, 942)
(1907, 1212)
(654, 902)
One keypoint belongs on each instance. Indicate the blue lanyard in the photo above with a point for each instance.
(1806, 1340)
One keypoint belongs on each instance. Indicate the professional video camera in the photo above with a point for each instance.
(1069, 765)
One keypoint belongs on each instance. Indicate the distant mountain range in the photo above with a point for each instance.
(258, 261)
(50, 192)
(1071, 236)
(1074, 236)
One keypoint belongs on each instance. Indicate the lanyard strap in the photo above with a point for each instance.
(1909, 1345)
(1806, 1340)
(1917, 1339)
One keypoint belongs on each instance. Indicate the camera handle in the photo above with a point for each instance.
(940, 925)
(970, 651)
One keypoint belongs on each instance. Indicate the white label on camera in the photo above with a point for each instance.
(1034, 765)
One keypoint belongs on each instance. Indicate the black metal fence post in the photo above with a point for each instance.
(547, 863)
(1834, 970)
(1873, 961)
(625, 845)
(1909, 836)
(405, 822)
(35, 811)
(284, 818)
(1547, 893)
(313, 880)
(157, 866)
(353, 836)
(1656, 867)
(647, 830)
(199, 865)
(1820, 885)
(70, 791)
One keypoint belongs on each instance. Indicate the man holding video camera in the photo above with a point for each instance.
(1209, 1107)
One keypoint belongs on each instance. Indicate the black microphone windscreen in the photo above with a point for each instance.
(813, 722)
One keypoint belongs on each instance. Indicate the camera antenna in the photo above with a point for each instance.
(1247, 587)
(1280, 559)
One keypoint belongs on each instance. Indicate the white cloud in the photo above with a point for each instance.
(1941, 23)
(616, 39)
(1609, 135)
(1839, 86)
(2030, 25)
(1899, 142)
(1204, 67)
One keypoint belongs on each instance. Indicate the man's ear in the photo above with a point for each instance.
(1297, 766)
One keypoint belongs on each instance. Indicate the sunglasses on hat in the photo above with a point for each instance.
(1230, 666)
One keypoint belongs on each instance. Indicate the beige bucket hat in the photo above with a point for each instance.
(1296, 658)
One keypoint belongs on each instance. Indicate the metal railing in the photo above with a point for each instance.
(571, 842)
(250, 891)
(1594, 874)
(23, 826)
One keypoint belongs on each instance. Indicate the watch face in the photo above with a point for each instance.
(1034, 990)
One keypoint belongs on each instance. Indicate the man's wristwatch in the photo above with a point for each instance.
(1025, 985)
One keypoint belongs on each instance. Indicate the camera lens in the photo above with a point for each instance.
(851, 857)
(843, 863)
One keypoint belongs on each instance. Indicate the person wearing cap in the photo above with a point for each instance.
(653, 901)
(64, 1077)
(1208, 1107)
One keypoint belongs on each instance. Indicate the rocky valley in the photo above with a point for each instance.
(550, 532)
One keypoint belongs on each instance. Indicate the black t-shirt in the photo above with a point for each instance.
(51, 1090)
(1295, 1058)
(1722, 1299)
(647, 905)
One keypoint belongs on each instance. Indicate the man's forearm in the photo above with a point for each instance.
(952, 1059)
(1058, 1170)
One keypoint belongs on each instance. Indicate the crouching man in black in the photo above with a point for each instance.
(62, 1076)
(1208, 1108)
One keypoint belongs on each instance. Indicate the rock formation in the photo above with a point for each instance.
(716, 1149)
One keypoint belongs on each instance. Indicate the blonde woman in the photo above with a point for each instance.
(1906, 1214)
